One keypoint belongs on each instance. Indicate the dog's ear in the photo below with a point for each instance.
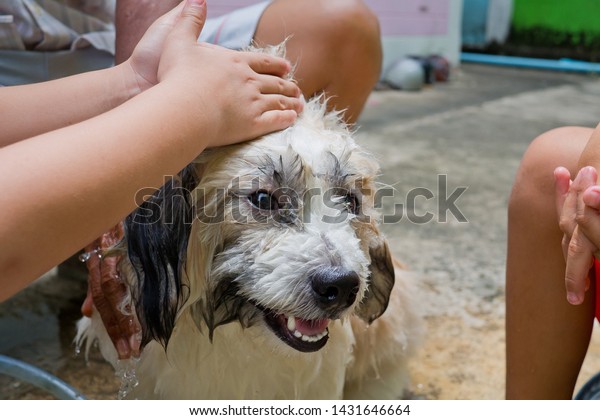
(157, 235)
(381, 280)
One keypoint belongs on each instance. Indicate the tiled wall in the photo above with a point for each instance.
(416, 27)
(397, 17)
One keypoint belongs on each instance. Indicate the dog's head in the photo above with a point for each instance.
(279, 233)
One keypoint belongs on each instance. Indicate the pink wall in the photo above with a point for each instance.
(397, 17)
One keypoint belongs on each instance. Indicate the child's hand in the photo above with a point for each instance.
(228, 96)
(578, 203)
(146, 55)
(110, 295)
(244, 94)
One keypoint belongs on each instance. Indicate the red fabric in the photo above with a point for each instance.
(596, 276)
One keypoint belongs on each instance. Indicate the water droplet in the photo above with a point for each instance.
(126, 372)
(87, 255)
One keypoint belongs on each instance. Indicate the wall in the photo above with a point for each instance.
(558, 23)
(560, 15)
(419, 27)
(415, 27)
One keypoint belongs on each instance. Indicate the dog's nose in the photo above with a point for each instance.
(335, 288)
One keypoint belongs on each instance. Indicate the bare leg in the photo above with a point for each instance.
(546, 337)
(335, 44)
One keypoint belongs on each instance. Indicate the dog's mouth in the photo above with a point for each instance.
(301, 334)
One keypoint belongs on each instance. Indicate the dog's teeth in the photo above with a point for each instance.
(291, 323)
(310, 338)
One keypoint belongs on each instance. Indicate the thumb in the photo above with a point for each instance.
(562, 183)
(192, 18)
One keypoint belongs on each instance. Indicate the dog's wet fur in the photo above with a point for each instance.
(260, 273)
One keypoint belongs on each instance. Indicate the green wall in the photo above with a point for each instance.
(557, 23)
(561, 15)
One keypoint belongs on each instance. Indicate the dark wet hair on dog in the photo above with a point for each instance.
(157, 234)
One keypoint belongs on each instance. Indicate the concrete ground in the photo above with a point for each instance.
(473, 130)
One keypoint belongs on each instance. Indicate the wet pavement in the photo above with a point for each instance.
(467, 134)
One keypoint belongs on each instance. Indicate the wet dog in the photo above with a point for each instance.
(260, 273)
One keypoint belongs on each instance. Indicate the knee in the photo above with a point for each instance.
(353, 31)
(352, 18)
(533, 188)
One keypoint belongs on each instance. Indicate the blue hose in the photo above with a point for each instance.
(590, 390)
(564, 64)
(38, 377)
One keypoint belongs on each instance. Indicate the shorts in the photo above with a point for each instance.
(233, 30)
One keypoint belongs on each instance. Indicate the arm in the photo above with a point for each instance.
(29, 110)
(58, 103)
(59, 188)
(106, 289)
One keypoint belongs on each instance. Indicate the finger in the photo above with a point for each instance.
(588, 217)
(579, 261)
(268, 64)
(280, 102)
(275, 120)
(591, 197)
(565, 246)
(568, 215)
(269, 84)
(193, 17)
(586, 177)
(562, 181)
(566, 201)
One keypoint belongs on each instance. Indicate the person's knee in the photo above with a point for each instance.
(534, 176)
(353, 32)
(534, 183)
(350, 17)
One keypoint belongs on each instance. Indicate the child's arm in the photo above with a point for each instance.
(63, 189)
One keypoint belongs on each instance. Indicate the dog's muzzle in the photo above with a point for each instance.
(334, 290)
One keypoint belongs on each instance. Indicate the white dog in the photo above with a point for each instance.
(260, 273)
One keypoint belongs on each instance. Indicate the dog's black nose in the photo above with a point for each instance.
(335, 288)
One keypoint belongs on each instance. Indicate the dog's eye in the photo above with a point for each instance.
(263, 200)
(352, 203)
